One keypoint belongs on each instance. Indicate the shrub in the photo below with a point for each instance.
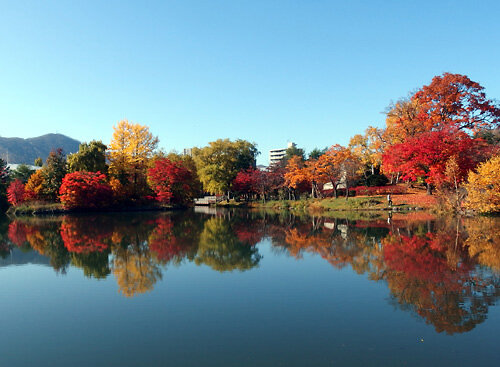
(379, 190)
(85, 190)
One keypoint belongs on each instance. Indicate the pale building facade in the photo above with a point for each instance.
(276, 155)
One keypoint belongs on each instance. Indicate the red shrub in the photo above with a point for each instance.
(379, 190)
(85, 190)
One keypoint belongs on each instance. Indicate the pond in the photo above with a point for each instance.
(246, 288)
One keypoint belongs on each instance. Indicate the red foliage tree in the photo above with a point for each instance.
(171, 181)
(85, 190)
(426, 155)
(245, 182)
(16, 193)
(455, 100)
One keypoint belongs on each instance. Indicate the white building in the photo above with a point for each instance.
(276, 155)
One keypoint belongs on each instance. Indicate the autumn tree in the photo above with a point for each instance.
(425, 156)
(219, 163)
(404, 120)
(15, 193)
(38, 162)
(130, 152)
(91, 157)
(339, 166)
(34, 186)
(85, 190)
(455, 100)
(369, 147)
(483, 187)
(172, 181)
(297, 175)
(245, 182)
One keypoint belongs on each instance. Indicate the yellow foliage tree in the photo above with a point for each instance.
(34, 186)
(130, 152)
(483, 187)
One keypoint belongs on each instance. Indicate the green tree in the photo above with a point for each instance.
(4, 182)
(23, 173)
(316, 153)
(90, 157)
(219, 163)
(293, 151)
(39, 162)
(53, 173)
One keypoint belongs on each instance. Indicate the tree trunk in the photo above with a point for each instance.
(429, 189)
(346, 190)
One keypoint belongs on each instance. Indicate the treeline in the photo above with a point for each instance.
(130, 171)
(444, 136)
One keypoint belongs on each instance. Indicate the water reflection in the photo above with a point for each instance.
(444, 271)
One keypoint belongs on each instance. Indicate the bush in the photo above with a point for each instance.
(84, 190)
(379, 190)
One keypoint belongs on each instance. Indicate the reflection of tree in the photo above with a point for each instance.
(433, 276)
(135, 270)
(220, 248)
(4, 238)
(42, 236)
(173, 241)
(84, 235)
(484, 241)
(88, 240)
(94, 264)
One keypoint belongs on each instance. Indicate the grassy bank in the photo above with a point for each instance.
(364, 203)
(43, 209)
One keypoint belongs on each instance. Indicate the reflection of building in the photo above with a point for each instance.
(276, 155)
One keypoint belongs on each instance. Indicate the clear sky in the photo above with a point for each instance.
(313, 72)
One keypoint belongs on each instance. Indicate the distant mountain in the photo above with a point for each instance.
(19, 150)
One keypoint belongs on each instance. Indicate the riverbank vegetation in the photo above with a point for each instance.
(442, 140)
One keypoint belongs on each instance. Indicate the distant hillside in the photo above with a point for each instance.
(27, 150)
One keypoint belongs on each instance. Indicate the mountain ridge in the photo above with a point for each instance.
(19, 150)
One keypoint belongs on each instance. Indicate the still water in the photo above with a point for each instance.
(242, 288)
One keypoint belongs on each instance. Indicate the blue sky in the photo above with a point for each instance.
(313, 72)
